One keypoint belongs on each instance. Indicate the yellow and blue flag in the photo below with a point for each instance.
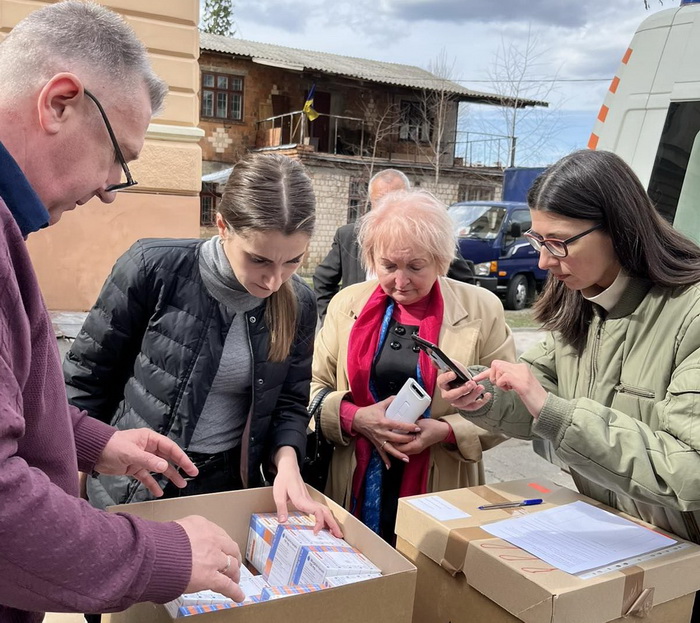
(308, 108)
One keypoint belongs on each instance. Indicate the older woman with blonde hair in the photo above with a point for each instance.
(365, 352)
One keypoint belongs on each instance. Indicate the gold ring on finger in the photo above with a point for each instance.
(228, 565)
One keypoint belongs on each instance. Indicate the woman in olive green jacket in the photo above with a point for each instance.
(615, 386)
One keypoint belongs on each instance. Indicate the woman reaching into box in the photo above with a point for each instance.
(210, 343)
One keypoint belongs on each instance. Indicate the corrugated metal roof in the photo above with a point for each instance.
(359, 68)
(219, 177)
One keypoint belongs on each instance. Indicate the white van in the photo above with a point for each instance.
(651, 113)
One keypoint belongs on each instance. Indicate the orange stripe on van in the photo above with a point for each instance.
(614, 84)
(593, 141)
(626, 57)
(602, 115)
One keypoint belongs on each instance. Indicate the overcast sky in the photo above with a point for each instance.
(578, 41)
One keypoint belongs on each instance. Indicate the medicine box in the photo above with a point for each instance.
(263, 527)
(286, 548)
(316, 563)
(276, 592)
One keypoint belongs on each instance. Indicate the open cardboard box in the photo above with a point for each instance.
(466, 575)
(388, 598)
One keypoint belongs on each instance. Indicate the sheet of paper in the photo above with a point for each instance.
(436, 507)
(577, 537)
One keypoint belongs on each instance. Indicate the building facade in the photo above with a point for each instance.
(73, 257)
(367, 116)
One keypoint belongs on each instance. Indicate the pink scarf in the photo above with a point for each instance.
(362, 347)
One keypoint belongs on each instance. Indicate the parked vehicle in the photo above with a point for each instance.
(517, 182)
(490, 234)
(651, 113)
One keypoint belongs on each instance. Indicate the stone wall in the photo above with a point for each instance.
(331, 182)
(331, 186)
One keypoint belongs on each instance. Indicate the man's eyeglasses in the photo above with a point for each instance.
(558, 248)
(120, 157)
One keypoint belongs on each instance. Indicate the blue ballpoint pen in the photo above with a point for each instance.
(532, 502)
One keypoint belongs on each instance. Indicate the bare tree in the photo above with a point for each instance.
(382, 121)
(436, 117)
(515, 75)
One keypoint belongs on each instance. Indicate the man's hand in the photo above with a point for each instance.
(138, 452)
(216, 558)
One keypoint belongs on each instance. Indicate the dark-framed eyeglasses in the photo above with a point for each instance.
(117, 150)
(558, 248)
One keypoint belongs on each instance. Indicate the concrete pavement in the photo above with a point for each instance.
(515, 459)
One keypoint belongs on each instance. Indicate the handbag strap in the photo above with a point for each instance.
(315, 406)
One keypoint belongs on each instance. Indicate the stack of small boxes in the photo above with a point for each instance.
(291, 560)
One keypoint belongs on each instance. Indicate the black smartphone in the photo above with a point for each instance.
(442, 361)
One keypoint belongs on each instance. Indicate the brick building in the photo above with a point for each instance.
(372, 115)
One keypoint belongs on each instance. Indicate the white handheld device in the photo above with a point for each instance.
(409, 404)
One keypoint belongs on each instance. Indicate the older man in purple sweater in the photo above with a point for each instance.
(63, 71)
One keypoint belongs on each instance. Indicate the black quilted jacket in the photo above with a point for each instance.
(150, 348)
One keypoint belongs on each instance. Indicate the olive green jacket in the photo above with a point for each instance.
(625, 415)
(473, 331)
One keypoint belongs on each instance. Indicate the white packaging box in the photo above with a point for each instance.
(253, 586)
(342, 580)
(261, 534)
(246, 574)
(277, 592)
(286, 547)
(315, 564)
(202, 598)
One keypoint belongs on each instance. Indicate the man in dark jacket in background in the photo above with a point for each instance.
(342, 265)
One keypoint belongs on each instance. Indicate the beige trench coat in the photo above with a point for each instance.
(473, 332)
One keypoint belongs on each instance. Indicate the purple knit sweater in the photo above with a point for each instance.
(57, 553)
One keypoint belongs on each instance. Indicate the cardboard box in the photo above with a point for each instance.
(466, 575)
(388, 598)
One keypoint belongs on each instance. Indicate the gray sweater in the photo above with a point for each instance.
(225, 411)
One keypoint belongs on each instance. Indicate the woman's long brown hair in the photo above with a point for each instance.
(599, 186)
(272, 193)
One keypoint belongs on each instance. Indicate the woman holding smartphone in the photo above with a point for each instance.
(614, 385)
(365, 353)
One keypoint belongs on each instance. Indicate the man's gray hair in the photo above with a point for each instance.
(77, 37)
(388, 176)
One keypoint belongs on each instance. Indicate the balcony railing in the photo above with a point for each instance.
(341, 135)
(479, 149)
(335, 134)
